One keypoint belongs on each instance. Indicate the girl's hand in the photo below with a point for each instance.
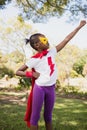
(82, 23)
(36, 74)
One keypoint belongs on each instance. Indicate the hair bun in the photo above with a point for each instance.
(27, 40)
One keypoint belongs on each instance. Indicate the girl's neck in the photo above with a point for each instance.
(39, 50)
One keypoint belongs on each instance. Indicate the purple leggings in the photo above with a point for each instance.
(42, 95)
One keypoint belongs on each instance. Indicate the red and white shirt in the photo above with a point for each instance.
(46, 67)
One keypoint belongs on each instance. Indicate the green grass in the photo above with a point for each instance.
(68, 114)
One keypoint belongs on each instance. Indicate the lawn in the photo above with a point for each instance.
(68, 114)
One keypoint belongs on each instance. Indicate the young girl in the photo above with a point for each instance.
(46, 74)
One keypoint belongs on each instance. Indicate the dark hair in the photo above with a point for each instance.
(34, 39)
(27, 40)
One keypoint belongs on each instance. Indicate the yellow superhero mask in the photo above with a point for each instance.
(43, 40)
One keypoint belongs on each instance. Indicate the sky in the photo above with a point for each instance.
(56, 29)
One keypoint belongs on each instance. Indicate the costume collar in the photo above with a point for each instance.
(40, 54)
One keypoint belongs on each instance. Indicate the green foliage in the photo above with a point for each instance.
(2, 2)
(19, 88)
(16, 56)
(6, 71)
(85, 70)
(73, 74)
(65, 60)
(70, 89)
(78, 66)
(58, 85)
(25, 82)
(20, 19)
(14, 34)
(39, 10)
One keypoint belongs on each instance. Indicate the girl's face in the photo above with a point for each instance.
(43, 43)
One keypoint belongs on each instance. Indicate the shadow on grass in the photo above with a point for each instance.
(12, 111)
(68, 114)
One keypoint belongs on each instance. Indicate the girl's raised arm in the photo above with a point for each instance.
(70, 36)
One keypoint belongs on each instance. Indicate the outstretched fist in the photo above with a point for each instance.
(82, 23)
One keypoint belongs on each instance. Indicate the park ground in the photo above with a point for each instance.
(69, 113)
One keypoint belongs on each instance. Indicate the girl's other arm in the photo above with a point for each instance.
(22, 72)
(70, 36)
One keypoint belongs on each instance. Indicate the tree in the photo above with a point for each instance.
(3, 2)
(79, 65)
(85, 70)
(39, 10)
(65, 60)
(13, 33)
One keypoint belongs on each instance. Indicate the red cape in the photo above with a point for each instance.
(29, 102)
